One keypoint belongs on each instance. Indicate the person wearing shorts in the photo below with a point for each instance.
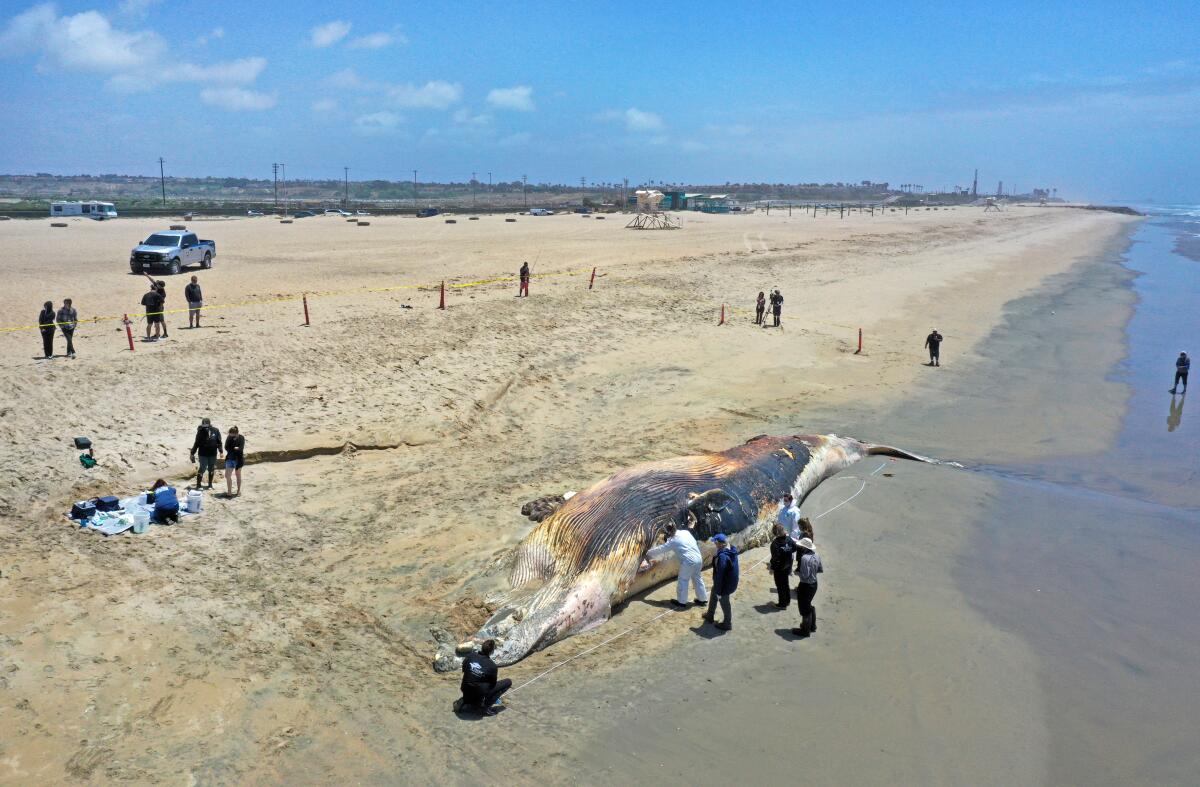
(235, 457)
(152, 302)
(195, 301)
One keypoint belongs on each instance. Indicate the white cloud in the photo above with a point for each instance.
(329, 33)
(236, 99)
(519, 98)
(347, 79)
(133, 60)
(217, 32)
(137, 7)
(465, 117)
(325, 106)
(377, 123)
(435, 94)
(639, 120)
(372, 41)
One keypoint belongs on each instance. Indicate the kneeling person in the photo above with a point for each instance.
(166, 503)
(481, 687)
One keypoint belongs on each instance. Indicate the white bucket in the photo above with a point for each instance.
(195, 501)
(141, 521)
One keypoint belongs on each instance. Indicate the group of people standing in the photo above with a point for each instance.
(208, 447)
(760, 307)
(65, 319)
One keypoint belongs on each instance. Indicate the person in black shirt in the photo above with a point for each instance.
(524, 291)
(235, 457)
(783, 548)
(152, 302)
(481, 687)
(46, 326)
(1182, 364)
(759, 307)
(776, 306)
(208, 445)
(67, 319)
(195, 300)
(934, 342)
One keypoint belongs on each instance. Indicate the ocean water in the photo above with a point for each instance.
(1095, 560)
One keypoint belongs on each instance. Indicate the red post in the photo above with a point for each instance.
(305, 296)
(593, 281)
(128, 332)
(722, 321)
(442, 299)
(859, 350)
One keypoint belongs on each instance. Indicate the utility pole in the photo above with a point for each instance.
(474, 184)
(975, 185)
(275, 175)
(489, 185)
(283, 168)
(414, 188)
(346, 193)
(162, 179)
(624, 193)
(524, 192)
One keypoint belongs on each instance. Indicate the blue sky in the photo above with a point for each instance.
(1100, 100)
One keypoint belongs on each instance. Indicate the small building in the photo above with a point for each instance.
(93, 210)
(710, 203)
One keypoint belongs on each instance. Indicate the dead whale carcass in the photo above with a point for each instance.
(582, 559)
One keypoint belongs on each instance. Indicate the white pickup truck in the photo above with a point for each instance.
(171, 249)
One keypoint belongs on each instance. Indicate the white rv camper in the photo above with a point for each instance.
(93, 210)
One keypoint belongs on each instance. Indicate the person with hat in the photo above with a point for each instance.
(776, 306)
(1182, 364)
(808, 566)
(481, 685)
(47, 323)
(523, 292)
(691, 563)
(724, 582)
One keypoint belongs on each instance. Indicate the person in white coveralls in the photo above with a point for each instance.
(691, 563)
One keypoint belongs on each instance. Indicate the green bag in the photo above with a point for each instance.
(87, 461)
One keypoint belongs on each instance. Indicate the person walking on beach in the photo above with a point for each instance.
(195, 300)
(783, 550)
(523, 292)
(1182, 364)
(934, 342)
(235, 457)
(68, 319)
(789, 516)
(46, 320)
(760, 306)
(776, 306)
(152, 302)
(691, 564)
(724, 582)
(208, 445)
(482, 686)
(808, 566)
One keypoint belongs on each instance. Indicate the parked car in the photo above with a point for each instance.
(171, 249)
(254, 213)
(336, 212)
(540, 212)
(303, 214)
(362, 213)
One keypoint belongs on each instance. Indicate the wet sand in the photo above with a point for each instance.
(287, 637)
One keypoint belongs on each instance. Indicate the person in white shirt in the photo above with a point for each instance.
(789, 517)
(691, 562)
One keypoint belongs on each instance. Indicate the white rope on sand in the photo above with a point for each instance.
(645, 623)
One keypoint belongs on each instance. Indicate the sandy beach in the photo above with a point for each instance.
(286, 636)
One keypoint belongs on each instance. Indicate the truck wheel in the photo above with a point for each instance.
(174, 266)
(207, 261)
(134, 268)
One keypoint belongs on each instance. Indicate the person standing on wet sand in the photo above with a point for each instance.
(195, 300)
(1182, 364)
(776, 306)
(808, 566)
(783, 550)
(523, 292)
(760, 306)
(46, 325)
(724, 582)
(68, 319)
(934, 342)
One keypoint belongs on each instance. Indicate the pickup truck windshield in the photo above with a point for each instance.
(161, 240)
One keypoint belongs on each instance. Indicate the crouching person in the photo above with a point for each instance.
(481, 686)
(166, 503)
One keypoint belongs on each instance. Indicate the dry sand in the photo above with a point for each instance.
(285, 636)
